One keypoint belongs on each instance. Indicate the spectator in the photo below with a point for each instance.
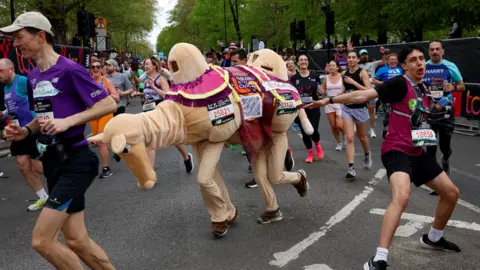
(456, 31)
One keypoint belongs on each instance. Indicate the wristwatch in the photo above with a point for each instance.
(28, 130)
(331, 100)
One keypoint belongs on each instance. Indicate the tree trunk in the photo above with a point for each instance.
(236, 22)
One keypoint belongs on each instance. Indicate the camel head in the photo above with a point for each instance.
(124, 136)
(270, 62)
(186, 63)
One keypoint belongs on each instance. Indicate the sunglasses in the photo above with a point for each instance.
(95, 67)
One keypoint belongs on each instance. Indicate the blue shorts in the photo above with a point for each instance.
(358, 115)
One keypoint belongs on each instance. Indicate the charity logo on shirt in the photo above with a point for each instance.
(44, 89)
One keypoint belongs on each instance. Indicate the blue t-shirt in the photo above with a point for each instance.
(16, 101)
(437, 74)
(385, 73)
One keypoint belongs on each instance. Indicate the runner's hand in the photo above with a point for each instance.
(55, 126)
(348, 80)
(317, 104)
(448, 87)
(15, 133)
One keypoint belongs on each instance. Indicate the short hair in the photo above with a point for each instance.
(34, 31)
(97, 61)
(242, 54)
(390, 55)
(402, 56)
(436, 40)
(7, 62)
(355, 52)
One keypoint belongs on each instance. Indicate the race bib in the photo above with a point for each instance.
(44, 110)
(436, 94)
(13, 120)
(288, 107)
(423, 137)
(221, 112)
(149, 106)
(273, 85)
(252, 106)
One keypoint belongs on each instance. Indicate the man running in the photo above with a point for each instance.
(340, 55)
(403, 155)
(121, 82)
(65, 97)
(18, 113)
(443, 77)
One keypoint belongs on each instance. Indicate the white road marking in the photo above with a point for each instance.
(461, 202)
(409, 229)
(465, 173)
(317, 267)
(426, 219)
(283, 258)
(477, 165)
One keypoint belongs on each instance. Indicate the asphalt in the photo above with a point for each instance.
(168, 227)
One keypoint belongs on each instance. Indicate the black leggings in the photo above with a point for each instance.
(314, 117)
(444, 138)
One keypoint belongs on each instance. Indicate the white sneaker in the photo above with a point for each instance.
(338, 147)
(372, 133)
(367, 162)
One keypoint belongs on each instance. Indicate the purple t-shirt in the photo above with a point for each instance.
(400, 94)
(63, 90)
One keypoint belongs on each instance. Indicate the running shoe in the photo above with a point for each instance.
(251, 184)
(219, 229)
(271, 216)
(250, 170)
(106, 172)
(296, 127)
(117, 157)
(441, 244)
(367, 162)
(339, 147)
(378, 265)
(302, 186)
(372, 133)
(37, 205)
(289, 161)
(351, 173)
(244, 153)
(189, 165)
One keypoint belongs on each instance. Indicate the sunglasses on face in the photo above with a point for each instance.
(95, 67)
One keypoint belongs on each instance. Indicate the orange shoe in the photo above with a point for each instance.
(310, 157)
(319, 149)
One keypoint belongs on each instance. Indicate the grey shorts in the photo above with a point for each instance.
(358, 115)
(372, 101)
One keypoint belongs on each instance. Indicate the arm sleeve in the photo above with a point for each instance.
(393, 90)
(89, 91)
(456, 75)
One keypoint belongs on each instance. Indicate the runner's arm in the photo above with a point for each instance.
(164, 87)
(365, 79)
(356, 97)
(113, 91)
(99, 109)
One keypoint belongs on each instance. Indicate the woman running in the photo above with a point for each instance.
(355, 79)
(156, 86)
(99, 125)
(308, 83)
(333, 85)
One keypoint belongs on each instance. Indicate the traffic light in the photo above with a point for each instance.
(293, 31)
(82, 23)
(301, 30)
(91, 25)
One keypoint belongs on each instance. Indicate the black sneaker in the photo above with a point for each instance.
(250, 168)
(189, 166)
(441, 244)
(289, 161)
(378, 265)
(251, 184)
(446, 166)
(434, 193)
(117, 158)
(106, 172)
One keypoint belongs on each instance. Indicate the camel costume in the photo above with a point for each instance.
(206, 107)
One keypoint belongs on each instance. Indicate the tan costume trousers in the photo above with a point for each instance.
(212, 187)
(268, 169)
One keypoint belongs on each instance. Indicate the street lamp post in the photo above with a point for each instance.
(12, 10)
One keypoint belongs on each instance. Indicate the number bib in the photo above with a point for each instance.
(252, 107)
(13, 120)
(436, 94)
(44, 110)
(288, 107)
(221, 112)
(424, 136)
(307, 99)
(149, 106)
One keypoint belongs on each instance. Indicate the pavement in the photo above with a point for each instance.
(335, 227)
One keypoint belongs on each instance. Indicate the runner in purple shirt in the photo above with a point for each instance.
(403, 155)
(60, 92)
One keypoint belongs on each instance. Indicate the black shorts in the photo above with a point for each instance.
(27, 146)
(421, 169)
(68, 181)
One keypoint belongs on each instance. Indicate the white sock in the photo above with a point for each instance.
(42, 194)
(434, 235)
(381, 255)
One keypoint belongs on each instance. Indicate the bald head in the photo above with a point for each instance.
(7, 72)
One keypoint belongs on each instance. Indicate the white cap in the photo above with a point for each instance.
(29, 19)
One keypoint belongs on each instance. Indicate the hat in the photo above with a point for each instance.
(112, 62)
(96, 54)
(233, 46)
(29, 19)
(226, 51)
(363, 51)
